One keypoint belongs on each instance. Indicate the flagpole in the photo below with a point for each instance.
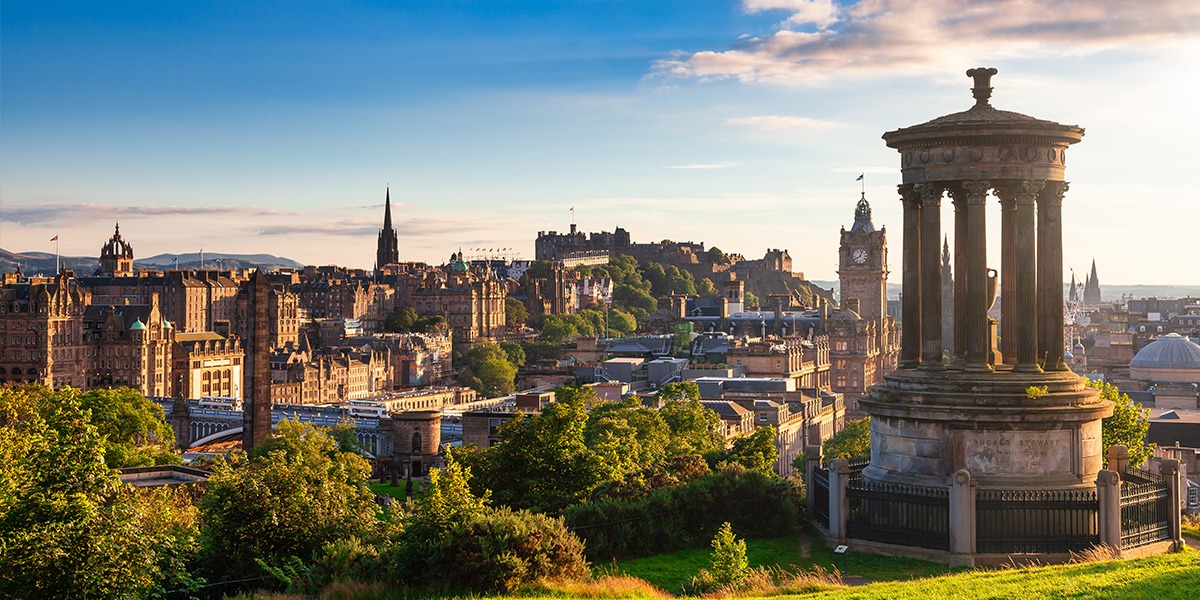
(57, 259)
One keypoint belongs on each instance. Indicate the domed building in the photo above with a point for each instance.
(1170, 367)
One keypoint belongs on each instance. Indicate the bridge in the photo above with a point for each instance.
(205, 424)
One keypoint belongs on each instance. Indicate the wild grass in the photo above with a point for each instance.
(1191, 526)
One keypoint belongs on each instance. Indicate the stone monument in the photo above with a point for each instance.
(1008, 410)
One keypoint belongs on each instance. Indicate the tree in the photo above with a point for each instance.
(1127, 426)
(728, 562)
(542, 462)
(853, 441)
(401, 320)
(705, 288)
(515, 353)
(293, 494)
(448, 500)
(70, 528)
(621, 322)
(488, 370)
(752, 302)
(756, 451)
(515, 315)
(693, 427)
(132, 428)
(716, 256)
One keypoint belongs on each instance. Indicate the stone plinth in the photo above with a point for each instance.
(925, 426)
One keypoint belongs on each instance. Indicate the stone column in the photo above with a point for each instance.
(962, 513)
(1169, 470)
(812, 462)
(1118, 458)
(1008, 275)
(1025, 277)
(975, 323)
(931, 274)
(1108, 492)
(910, 334)
(839, 500)
(960, 277)
(1050, 280)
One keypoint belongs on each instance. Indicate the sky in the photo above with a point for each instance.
(276, 127)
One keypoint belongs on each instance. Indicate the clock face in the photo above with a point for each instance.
(860, 256)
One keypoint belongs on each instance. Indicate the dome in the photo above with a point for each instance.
(1171, 351)
(137, 325)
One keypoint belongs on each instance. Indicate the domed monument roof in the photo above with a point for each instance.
(1171, 351)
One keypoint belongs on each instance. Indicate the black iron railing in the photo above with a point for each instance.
(820, 492)
(1018, 521)
(1145, 512)
(891, 513)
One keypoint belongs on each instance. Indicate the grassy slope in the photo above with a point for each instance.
(1161, 578)
(669, 571)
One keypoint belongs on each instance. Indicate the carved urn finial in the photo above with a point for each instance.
(983, 85)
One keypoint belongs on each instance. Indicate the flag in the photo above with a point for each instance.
(860, 177)
(54, 239)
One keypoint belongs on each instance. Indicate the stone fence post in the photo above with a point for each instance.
(1118, 458)
(839, 501)
(962, 513)
(1169, 470)
(1108, 492)
(812, 462)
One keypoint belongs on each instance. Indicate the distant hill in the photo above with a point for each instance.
(43, 262)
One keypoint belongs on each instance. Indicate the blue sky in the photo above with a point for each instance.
(274, 127)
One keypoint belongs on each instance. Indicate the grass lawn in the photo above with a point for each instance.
(670, 571)
(1165, 577)
(393, 491)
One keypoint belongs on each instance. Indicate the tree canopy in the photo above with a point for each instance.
(70, 528)
(853, 441)
(489, 369)
(296, 492)
(1127, 426)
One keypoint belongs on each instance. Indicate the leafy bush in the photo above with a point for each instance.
(498, 550)
(672, 518)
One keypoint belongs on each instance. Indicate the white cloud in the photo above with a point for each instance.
(781, 123)
(704, 166)
(821, 13)
(874, 37)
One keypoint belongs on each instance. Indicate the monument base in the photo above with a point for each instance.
(1009, 430)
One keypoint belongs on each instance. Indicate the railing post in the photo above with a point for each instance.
(839, 501)
(1118, 458)
(962, 513)
(1108, 493)
(1168, 468)
(812, 462)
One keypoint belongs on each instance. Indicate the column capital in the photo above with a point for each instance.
(929, 193)
(1021, 191)
(909, 195)
(970, 192)
(1053, 192)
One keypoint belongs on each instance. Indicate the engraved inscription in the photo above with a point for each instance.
(1017, 452)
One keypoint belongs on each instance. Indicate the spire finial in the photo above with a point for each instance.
(387, 210)
(983, 85)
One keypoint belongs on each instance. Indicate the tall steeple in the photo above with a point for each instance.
(862, 216)
(387, 251)
(387, 209)
(1091, 290)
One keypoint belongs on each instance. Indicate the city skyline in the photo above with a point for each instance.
(254, 130)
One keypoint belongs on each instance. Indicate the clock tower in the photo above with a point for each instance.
(862, 264)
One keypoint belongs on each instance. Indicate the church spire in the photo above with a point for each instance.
(387, 251)
(387, 210)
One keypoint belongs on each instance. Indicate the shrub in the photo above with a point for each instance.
(685, 516)
(498, 551)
